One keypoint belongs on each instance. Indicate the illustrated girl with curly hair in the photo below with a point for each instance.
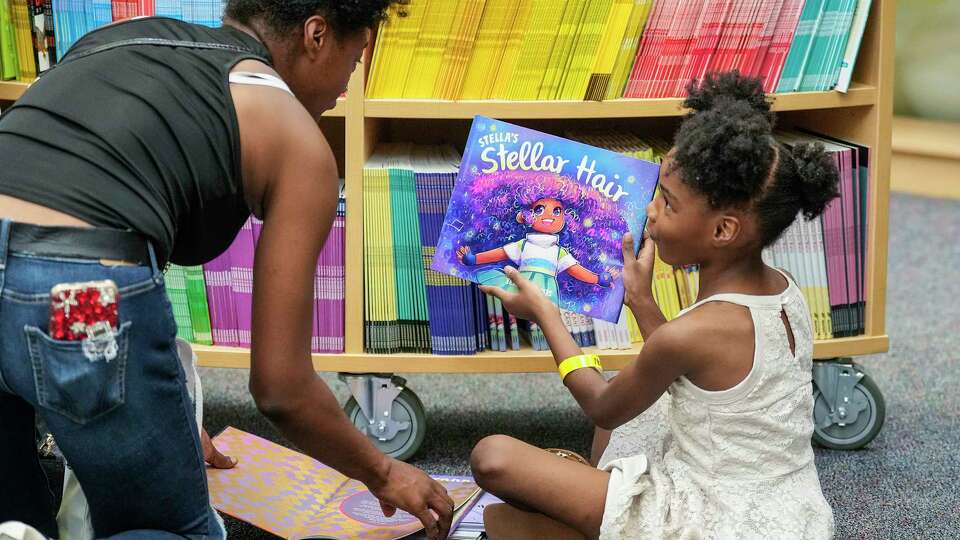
(539, 255)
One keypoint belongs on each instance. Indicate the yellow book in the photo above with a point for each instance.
(535, 49)
(488, 49)
(428, 53)
(383, 49)
(627, 52)
(463, 32)
(511, 53)
(24, 39)
(577, 76)
(610, 40)
(407, 31)
(560, 55)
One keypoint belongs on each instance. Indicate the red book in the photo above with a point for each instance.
(776, 55)
(763, 23)
(676, 48)
(742, 31)
(704, 44)
(752, 66)
(125, 9)
(727, 32)
(656, 28)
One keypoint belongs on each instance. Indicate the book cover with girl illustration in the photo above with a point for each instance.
(553, 208)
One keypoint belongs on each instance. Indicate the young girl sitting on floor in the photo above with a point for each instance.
(738, 461)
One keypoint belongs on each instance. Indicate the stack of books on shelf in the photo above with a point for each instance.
(213, 304)
(608, 49)
(827, 255)
(35, 34)
(411, 308)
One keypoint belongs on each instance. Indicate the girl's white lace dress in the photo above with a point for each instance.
(731, 464)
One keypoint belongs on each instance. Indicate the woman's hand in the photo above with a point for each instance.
(637, 271)
(528, 302)
(213, 456)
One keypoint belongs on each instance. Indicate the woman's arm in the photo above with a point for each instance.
(290, 171)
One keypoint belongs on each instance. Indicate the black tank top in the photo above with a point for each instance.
(137, 136)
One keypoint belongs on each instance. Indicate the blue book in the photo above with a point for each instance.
(553, 208)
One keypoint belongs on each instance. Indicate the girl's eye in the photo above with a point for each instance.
(538, 209)
(556, 211)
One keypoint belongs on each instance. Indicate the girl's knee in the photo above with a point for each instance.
(490, 458)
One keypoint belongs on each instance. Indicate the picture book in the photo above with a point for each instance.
(296, 497)
(553, 208)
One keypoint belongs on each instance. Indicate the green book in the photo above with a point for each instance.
(9, 66)
(176, 282)
(803, 38)
(199, 308)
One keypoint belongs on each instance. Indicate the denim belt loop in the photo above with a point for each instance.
(157, 271)
(4, 244)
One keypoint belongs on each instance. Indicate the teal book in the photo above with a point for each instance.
(848, 55)
(199, 308)
(176, 284)
(803, 38)
(823, 61)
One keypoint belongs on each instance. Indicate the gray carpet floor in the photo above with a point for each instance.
(904, 485)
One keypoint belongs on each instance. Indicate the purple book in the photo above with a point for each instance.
(216, 273)
(241, 281)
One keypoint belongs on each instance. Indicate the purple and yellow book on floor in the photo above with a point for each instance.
(295, 496)
(555, 209)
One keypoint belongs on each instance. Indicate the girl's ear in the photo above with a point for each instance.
(520, 218)
(727, 230)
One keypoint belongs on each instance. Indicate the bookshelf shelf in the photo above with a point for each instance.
(522, 361)
(858, 95)
(12, 90)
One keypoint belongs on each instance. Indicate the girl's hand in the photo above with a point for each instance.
(528, 302)
(637, 271)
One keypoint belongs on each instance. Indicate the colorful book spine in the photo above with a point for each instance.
(176, 285)
(199, 307)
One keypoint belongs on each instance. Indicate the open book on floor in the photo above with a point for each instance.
(296, 497)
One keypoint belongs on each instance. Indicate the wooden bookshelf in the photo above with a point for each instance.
(522, 361)
(858, 95)
(864, 115)
(12, 90)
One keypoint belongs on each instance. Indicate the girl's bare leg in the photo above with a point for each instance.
(528, 477)
(507, 522)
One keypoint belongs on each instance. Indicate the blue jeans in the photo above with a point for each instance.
(126, 426)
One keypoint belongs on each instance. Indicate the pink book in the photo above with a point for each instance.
(677, 47)
(241, 282)
(760, 30)
(743, 29)
(216, 273)
(849, 225)
(752, 67)
(776, 56)
(704, 43)
(724, 42)
(329, 292)
(834, 248)
(653, 35)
